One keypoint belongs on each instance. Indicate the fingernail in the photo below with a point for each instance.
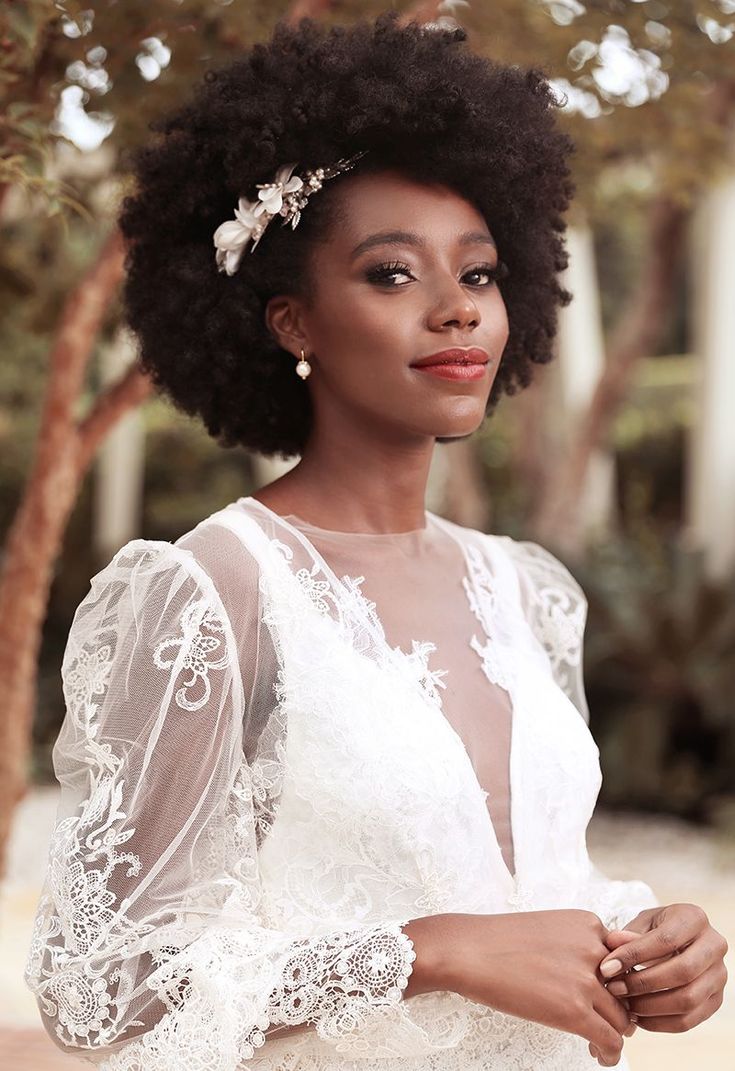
(630, 1031)
(618, 988)
(613, 966)
(633, 1017)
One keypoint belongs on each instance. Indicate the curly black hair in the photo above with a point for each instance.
(421, 103)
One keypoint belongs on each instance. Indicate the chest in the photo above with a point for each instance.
(379, 795)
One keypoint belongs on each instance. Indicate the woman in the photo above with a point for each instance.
(291, 833)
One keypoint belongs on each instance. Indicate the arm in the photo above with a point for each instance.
(150, 947)
(537, 965)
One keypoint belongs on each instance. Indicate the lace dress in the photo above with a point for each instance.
(283, 743)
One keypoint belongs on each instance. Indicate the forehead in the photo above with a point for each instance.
(389, 200)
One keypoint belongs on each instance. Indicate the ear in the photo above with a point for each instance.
(284, 318)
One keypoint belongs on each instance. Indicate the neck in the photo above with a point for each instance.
(346, 484)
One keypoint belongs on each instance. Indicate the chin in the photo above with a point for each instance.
(454, 438)
(456, 430)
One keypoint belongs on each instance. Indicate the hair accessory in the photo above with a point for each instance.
(285, 196)
(303, 368)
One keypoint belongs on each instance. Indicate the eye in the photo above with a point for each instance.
(382, 273)
(494, 273)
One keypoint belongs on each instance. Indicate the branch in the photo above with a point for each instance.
(126, 393)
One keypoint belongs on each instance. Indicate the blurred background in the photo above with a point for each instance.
(620, 458)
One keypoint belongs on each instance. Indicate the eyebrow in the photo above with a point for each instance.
(409, 238)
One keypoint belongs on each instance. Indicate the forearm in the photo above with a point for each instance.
(433, 937)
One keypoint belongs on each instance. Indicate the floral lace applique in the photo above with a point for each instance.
(197, 646)
(336, 981)
(353, 609)
(480, 590)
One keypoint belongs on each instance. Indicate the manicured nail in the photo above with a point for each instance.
(618, 988)
(613, 966)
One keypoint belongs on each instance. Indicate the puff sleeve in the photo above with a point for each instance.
(150, 948)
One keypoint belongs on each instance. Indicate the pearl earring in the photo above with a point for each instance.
(303, 368)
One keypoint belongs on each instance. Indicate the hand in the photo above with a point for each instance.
(538, 965)
(684, 976)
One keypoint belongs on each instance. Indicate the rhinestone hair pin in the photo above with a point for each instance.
(285, 196)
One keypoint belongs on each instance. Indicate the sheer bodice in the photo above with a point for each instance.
(416, 580)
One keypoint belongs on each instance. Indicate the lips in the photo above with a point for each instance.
(456, 355)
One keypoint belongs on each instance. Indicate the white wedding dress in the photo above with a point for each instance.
(281, 744)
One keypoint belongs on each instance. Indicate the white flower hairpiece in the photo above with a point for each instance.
(285, 196)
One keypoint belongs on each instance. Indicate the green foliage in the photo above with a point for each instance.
(660, 673)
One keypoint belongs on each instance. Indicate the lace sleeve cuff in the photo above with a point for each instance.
(335, 981)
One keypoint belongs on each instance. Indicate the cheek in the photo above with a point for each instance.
(365, 323)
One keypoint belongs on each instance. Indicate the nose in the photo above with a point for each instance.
(455, 308)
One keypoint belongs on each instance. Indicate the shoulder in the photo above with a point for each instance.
(543, 576)
(540, 573)
(551, 598)
(149, 590)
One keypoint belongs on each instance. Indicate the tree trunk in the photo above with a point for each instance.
(556, 520)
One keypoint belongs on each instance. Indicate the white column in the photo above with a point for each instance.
(711, 469)
(580, 362)
(118, 487)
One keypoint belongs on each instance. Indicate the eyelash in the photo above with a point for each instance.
(496, 273)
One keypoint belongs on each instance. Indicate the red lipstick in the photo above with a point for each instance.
(455, 363)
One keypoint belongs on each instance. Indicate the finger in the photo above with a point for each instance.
(669, 974)
(611, 1009)
(615, 938)
(594, 1051)
(605, 1038)
(670, 935)
(684, 999)
(677, 1024)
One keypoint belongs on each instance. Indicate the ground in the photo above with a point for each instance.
(681, 862)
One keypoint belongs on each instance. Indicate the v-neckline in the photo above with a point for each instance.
(374, 622)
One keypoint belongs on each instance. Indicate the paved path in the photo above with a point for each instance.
(682, 863)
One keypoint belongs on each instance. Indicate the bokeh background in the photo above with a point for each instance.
(620, 458)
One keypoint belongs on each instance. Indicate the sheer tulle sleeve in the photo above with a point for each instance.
(555, 607)
(150, 948)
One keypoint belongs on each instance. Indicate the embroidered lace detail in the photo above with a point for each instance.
(336, 981)
(196, 647)
(353, 608)
(417, 661)
(556, 607)
(484, 602)
(74, 915)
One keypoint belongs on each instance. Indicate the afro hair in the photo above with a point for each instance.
(421, 102)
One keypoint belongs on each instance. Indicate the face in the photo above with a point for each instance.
(408, 272)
